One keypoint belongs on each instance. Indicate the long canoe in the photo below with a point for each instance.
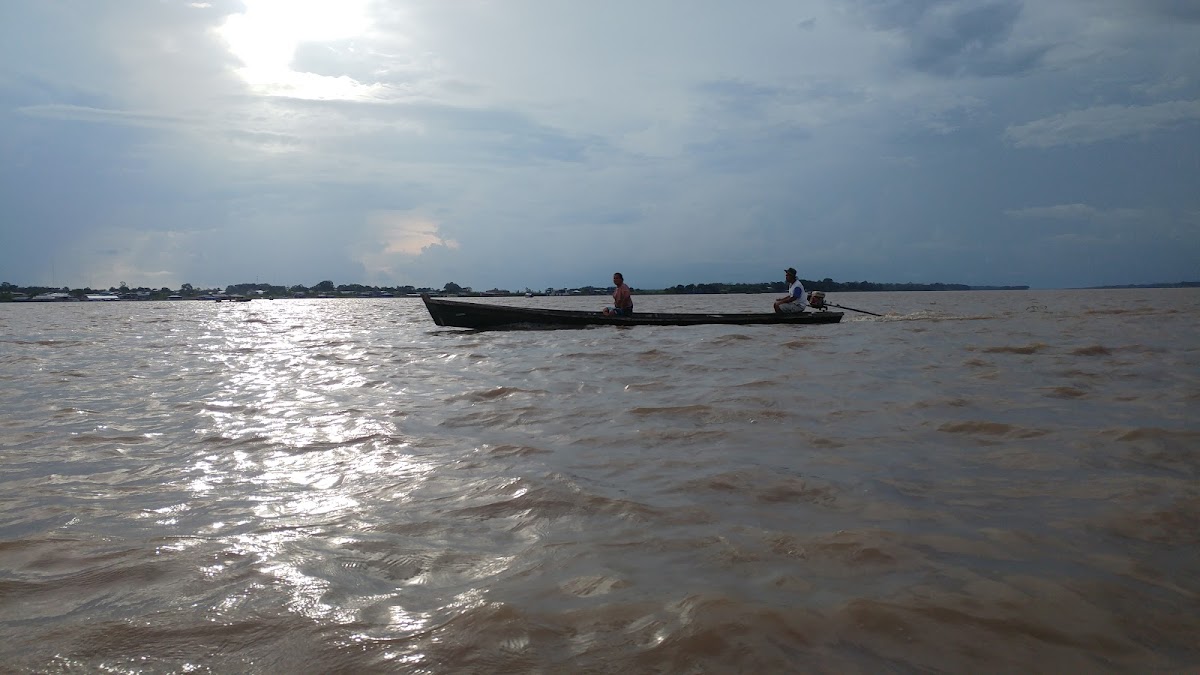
(458, 314)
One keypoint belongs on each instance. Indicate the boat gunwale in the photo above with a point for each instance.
(511, 316)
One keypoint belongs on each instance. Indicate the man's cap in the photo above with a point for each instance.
(790, 270)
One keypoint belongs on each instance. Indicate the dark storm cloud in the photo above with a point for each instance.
(956, 38)
(1183, 10)
(972, 41)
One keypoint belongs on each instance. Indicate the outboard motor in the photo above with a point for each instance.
(816, 300)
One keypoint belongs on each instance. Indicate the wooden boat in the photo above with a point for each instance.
(458, 314)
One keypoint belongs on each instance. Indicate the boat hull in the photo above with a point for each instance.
(458, 314)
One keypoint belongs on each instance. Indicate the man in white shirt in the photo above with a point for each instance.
(795, 300)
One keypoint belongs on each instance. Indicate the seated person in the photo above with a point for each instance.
(795, 300)
(622, 298)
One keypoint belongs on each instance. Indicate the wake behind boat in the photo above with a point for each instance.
(458, 314)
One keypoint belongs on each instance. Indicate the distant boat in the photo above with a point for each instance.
(53, 297)
(458, 314)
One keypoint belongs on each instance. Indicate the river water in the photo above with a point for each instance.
(975, 482)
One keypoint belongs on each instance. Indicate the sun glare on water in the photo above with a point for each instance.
(266, 35)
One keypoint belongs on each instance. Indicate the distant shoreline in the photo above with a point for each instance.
(1181, 284)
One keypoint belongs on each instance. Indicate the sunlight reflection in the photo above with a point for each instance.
(408, 621)
(287, 388)
(307, 593)
(296, 424)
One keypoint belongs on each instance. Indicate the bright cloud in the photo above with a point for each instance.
(407, 233)
(266, 36)
(395, 240)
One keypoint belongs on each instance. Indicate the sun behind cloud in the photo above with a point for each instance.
(406, 233)
(265, 37)
(395, 238)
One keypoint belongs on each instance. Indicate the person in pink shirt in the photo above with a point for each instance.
(622, 298)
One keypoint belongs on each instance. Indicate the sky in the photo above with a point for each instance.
(539, 143)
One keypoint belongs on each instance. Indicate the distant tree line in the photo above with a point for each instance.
(1181, 284)
(187, 291)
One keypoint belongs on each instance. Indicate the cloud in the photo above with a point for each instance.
(1059, 212)
(407, 233)
(893, 14)
(395, 240)
(955, 38)
(1078, 212)
(1102, 123)
(78, 113)
(971, 40)
(1178, 10)
(235, 132)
